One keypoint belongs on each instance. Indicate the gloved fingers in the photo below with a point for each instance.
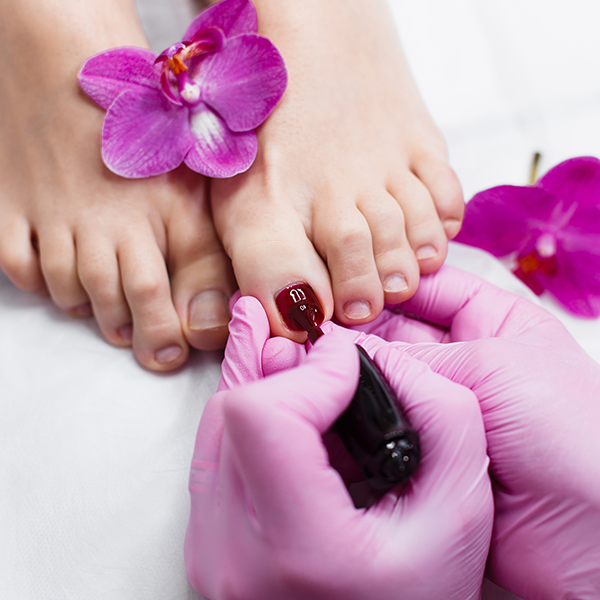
(368, 341)
(281, 354)
(248, 331)
(393, 325)
(457, 300)
(207, 449)
(275, 429)
(203, 532)
(454, 462)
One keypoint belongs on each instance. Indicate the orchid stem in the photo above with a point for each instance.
(535, 163)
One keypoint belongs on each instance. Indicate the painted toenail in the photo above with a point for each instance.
(357, 309)
(126, 332)
(452, 227)
(83, 310)
(395, 283)
(208, 310)
(426, 251)
(167, 355)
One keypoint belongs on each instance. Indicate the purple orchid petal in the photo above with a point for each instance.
(502, 219)
(106, 75)
(234, 17)
(554, 226)
(217, 151)
(577, 282)
(244, 82)
(577, 178)
(211, 39)
(170, 52)
(145, 135)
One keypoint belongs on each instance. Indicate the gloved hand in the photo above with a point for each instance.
(540, 397)
(271, 519)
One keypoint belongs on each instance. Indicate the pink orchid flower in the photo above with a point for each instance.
(553, 228)
(198, 102)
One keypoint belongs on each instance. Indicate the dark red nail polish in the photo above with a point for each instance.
(301, 310)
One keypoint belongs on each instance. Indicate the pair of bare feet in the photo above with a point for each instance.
(351, 190)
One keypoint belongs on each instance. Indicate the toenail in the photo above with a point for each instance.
(167, 355)
(395, 283)
(83, 310)
(126, 332)
(426, 251)
(208, 310)
(357, 309)
(452, 227)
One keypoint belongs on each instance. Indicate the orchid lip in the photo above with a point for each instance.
(189, 92)
(545, 245)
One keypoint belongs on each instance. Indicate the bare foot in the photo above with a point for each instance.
(351, 191)
(97, 243)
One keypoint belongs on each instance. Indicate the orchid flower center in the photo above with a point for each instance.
(542, 259)
(175, 81)
(539, 261)
(533, 262)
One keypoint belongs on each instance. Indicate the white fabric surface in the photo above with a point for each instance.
(95, 451)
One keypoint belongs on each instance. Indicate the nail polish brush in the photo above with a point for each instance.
(374, 428)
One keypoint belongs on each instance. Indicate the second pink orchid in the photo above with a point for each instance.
(198, 102)
(552, 228)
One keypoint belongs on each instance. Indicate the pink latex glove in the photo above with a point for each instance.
(271, 519)
(540, 398)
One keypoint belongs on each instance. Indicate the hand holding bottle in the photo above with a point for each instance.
(272, 519)
(540, 397)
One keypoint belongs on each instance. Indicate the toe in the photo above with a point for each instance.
(58, 258)
(342, 236)
(423, 228)
(99, 274)
(158, 340)
(201, 275)
(445, 190)
(18, 257)
(269, 250)
(396, 263)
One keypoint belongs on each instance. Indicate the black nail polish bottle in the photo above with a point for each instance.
(373, 428)
(376, 433)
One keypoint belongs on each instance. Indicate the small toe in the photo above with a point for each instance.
(423, 228)
(99, 274)
(158, 340)
(445, 190)
(342, 237)
(58, 258)
(18, 257)
(396, 263)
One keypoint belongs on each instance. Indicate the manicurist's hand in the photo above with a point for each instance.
(271, 518)
(540, 397)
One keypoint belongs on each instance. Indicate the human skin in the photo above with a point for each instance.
(351, 190)
(134, 253)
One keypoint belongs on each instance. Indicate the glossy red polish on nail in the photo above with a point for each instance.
(301, 310)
